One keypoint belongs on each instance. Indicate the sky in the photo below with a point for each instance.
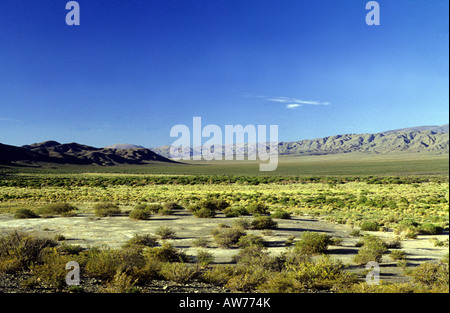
(134, 69)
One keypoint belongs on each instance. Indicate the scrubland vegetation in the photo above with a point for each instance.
(406, 206)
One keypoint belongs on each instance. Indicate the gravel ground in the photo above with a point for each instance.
(88, 231)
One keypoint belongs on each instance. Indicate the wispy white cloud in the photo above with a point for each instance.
(293, 105)
(295, 101)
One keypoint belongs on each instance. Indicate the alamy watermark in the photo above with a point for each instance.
(373, 17)
(373, 276)
(227, 144)
(73, 277)
(73, 17)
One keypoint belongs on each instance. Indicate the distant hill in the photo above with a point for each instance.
(124, 146)
(423, 139)
(433, 139)
(435, 129)
(74, 153)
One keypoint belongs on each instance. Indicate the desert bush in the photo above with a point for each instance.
(121, 282)
(256, 258)
(393, 243)
(138, 214)
(218, 275)
(25, 213)
(289, 241)
(258, 208)
(243, 223)
(281, 215)
(370, 226)
(221, 204)
(204, 213)
(106, 209)
(227, 237)
(397, 255)
(430, 274)
(281, 282)
(173, 206)
(355, 233)
(166, 253)
(247, 281)
(430, 229)
(180, 273)
(105, 263)
(313, 243)
(152, 208)
(324, 273)
(57, 208)
(235, 211)
(165, 232)
(19, 251)
(69, 249)
(264, 222)
(208, 208)
(200, 242)
(145, 240)
(204, 257)
(372, 249)
(52, 269)
(249, 240)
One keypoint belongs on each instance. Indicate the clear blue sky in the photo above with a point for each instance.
(135, 68)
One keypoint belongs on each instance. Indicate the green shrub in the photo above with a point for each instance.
(431, 274)
(250, 240)
(145, 240)
(281, 215)
(370, 226)
(25, 213)
(153, 208)
(178, 272)
(372, 249)
(52, 269)
(227, 237)
(243, 223)
(18, 251)
(247, 281)
(281, 282)
(221, 205)
(165, 232)
(355, 233)
(397, 255)
(313, 243)
(235, 211)
(430, 229)
(264, 222)
(104, 264)
(200, 242)
(173, 206)
(204, 213)
(106, 209)
(138, 214)
(166, 253)
(69, 249)
(218, 275)
(323, 273)
(57, 208)
(121, 282)
(204, 257)
(258, 208)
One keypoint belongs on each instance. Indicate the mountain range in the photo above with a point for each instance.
(415, 139)
(434, 139)
(74, 153)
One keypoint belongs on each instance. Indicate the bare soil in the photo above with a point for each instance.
(90, 231)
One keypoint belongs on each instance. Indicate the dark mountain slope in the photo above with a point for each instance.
(74, 153)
